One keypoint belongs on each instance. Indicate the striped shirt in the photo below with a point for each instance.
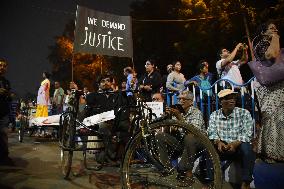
(238, 126)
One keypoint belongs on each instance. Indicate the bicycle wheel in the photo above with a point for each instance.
(67, 143)
(66, 162)
(23, 125)
(21, 132)
(139, 170)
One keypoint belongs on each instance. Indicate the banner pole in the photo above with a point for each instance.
(133, 66)
(72, 68)
(72, 61)
(248, 36)
(247, 30)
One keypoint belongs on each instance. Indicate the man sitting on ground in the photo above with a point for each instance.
(231, 130)
(172, 140)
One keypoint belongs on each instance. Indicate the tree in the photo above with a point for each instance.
(86, 66)
(218, 23)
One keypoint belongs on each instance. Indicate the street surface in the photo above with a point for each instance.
(37, 166)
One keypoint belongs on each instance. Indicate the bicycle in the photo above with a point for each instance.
(141, 167)
(71, 128)
(140, 163)
(24, 123)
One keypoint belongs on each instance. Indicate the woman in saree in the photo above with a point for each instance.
(268, 67)
(43, 96)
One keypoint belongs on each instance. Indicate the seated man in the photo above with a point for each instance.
(231, 130)
(172, 140)
(105, 100)
(157, 97)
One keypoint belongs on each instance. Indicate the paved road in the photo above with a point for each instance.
(37, 166)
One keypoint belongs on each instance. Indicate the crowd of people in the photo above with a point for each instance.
(230, 128)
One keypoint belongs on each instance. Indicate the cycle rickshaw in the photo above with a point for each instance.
(140, 166)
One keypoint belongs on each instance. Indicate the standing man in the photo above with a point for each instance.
(58, 97)
(5, 99)
(151, 82)
(231, 130)
(229, 69)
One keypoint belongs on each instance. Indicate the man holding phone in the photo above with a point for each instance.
(177, 142)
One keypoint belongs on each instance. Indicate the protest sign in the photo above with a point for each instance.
(102, 33)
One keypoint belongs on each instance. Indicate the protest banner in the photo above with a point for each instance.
(102, 33)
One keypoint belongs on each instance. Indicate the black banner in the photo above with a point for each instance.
(102, 33)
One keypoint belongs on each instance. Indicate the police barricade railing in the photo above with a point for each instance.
(211, 92)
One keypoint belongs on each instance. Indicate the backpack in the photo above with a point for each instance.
(205, 84)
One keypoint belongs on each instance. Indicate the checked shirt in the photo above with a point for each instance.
(238, 126)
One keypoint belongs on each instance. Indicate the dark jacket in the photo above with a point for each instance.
(4, 98)
(154, 80)
(98, 102)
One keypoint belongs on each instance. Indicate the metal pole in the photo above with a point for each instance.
(72, 61)
(101, 66)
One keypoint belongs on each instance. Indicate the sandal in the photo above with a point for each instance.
(184, 181)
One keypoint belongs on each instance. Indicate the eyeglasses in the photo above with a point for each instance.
(184, 99)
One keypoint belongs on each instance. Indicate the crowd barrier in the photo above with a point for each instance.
(207, 99)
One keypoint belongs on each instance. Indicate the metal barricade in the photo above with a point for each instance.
(246, 88)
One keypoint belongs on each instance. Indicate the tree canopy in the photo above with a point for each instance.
(167, 30)
(191, 30)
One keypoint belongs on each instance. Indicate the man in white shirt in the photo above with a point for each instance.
(229, 69)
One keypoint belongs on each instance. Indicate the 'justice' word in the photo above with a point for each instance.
(103, 40)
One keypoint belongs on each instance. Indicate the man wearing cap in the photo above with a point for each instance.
(231, 130)
(173, 140)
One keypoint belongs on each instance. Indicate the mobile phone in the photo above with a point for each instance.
(178, 107)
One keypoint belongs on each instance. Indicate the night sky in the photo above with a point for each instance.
(29, 27)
